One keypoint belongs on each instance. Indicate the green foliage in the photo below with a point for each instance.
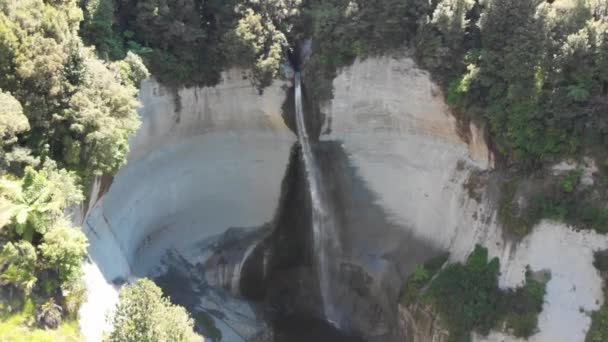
(143, 314)
(65, 91)
(98, 28)
(598, 332)
(102, 115)
(62, 250)
(74, 295)
(467, 296)
(535, 71)
(560, 198)
(18, 263)
(570, 182)
(342, 30)
(12, 120)
(17, 327)
(131, 70)
(263, 45)
(523, 306)
(189, 42)
(36, 203)
(601, 261)
(420, 278)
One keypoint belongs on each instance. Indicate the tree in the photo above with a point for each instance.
(98, 29)
(144, 315)
(102, 114)
(63, 249)
(12, 120)
(263, 45)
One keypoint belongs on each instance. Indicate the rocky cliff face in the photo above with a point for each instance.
(210, 166)
(204, 160)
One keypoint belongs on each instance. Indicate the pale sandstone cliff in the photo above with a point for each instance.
(217, 163)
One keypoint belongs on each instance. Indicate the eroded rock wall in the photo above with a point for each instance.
(203, 161)
(415, 157)
(211, 159)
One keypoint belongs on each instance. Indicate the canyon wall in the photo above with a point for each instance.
(210, 159)
(417, 159)
(203, 161)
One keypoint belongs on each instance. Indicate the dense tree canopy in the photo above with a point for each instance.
(65, 117)
(192, 41)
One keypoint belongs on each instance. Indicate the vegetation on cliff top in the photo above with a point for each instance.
(190, 42)
(467, 297)
(535, 71)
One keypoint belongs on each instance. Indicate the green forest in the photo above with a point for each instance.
(533, 73)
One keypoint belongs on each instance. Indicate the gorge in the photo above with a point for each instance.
(204, 182)
(304, 170)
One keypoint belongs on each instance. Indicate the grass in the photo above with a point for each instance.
(19, 327)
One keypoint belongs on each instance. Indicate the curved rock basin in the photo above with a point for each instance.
(211, 203)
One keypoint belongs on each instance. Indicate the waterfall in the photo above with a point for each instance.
(322, 224)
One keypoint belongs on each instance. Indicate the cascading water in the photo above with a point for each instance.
(322, 223)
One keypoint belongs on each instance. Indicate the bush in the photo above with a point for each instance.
(143, 314)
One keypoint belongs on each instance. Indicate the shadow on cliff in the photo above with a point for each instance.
(277, 280)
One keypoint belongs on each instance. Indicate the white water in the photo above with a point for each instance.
(321, 220)
(235, 282)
